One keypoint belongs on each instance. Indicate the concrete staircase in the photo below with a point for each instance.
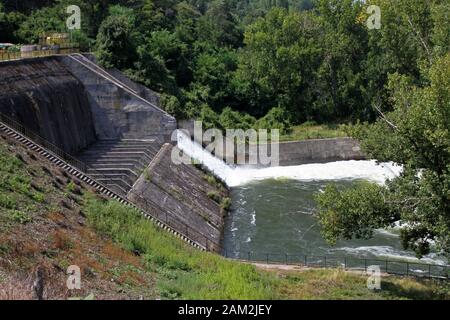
(118, 163)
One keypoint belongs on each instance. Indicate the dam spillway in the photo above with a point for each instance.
(272, 210)
(85, 118)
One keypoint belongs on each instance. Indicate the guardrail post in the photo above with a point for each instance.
(306, 260)
(345, 263)
(325, 258)
(248, 255)
(429, 271)
(407, 268)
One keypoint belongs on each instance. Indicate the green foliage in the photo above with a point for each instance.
(193, 273)
(415, 134)
(116, 38)
(276, 118)
(225, 204)
(353, 212)
(227, 58)
(71, 186)
(19, 216)
(276, 66)
(312, 130)
(187, 273)
(230, 119)
(215, 196)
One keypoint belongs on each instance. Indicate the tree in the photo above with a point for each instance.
(278, 63)
(415, 134)
(213, 70)
(219, 26)
(116, 39)
(344, 42)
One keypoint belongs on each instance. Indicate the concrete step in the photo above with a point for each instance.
(90, 159)
(119, 152)
(123, 180)
(113, 171)
(126, 142)
(117, 164)
(134, 148)
(139, 163)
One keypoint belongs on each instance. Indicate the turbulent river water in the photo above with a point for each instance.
(273, 208)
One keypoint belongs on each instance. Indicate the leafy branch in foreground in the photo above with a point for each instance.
(420, 196)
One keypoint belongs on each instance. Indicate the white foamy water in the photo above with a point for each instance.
(235, 176)
(388, 252)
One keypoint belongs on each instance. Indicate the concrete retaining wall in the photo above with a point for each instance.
(117, 113)
(179, 193)
(319, 150)
(292, 152)
(43, 95)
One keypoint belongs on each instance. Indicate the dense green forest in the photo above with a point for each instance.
(278, 63)
(251, 63)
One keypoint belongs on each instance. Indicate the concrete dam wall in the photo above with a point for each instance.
(181, 193)
(115, 127)
(290, 153)
(121, 108)
(42, 94)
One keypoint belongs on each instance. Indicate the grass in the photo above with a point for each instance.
(311, 130)
(18, 199)
(42, 226)
(120, 250)
(186, 273)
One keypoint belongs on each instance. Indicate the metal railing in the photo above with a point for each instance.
(57, 150)
(6, 55)
(167, 217)
(163, 215)
(170, 219)
(395, 267)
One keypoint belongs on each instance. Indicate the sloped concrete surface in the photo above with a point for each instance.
(46, 98)
(180, 194)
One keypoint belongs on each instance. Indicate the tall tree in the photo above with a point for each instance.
(416, 134)
(277, 65)
(116, 39)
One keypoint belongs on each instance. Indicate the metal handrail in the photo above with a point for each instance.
(323, 261)
(181, 227)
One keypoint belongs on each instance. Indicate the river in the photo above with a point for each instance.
(273, 209)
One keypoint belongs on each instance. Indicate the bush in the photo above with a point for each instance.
(213, 195)
(230, 119)
(276, 118)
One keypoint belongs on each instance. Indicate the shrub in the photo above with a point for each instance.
(214, 195)
(230, 119)
(225, 204)
(276, 118)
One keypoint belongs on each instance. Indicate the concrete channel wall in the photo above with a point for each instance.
(121, 108)
(180, 194)
(290, 153)
(44, 96)
(74, 103)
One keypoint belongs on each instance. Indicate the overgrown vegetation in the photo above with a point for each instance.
(415, 134)
(43, 227)
(252, 64)
(186, 273)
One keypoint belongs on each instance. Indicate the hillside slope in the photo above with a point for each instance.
(49, 221)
